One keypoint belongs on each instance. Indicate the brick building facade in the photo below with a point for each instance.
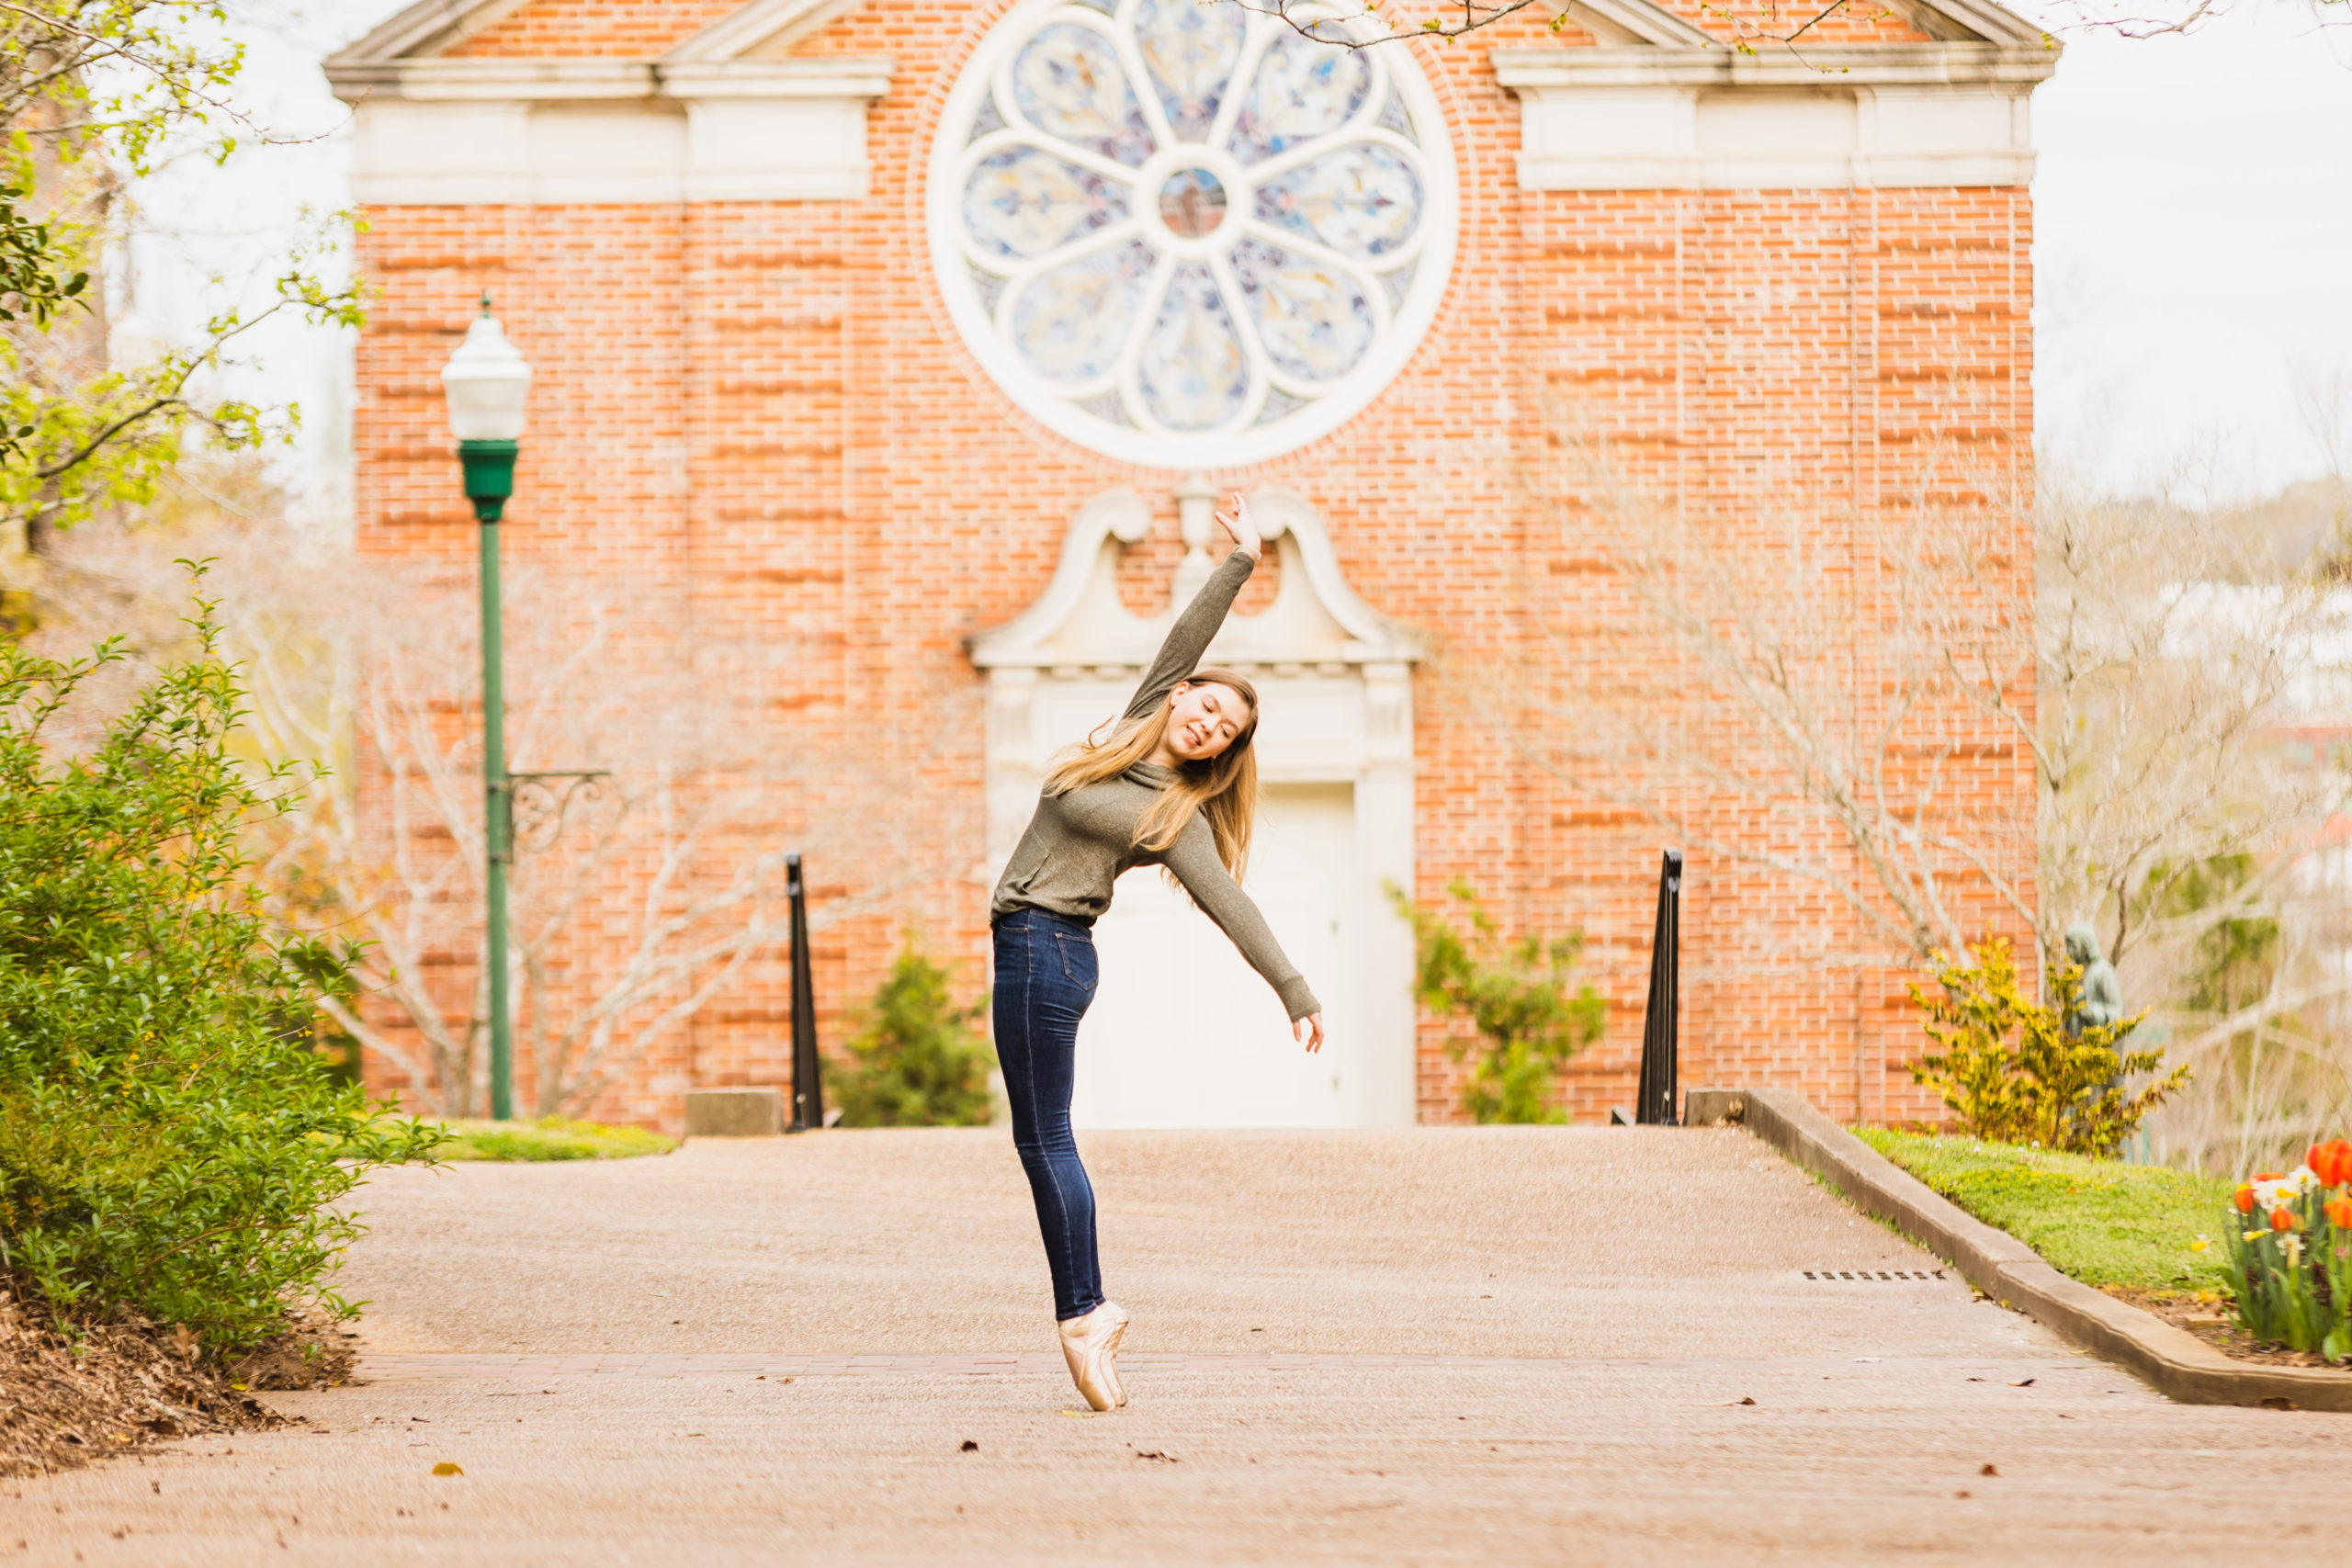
(810, 375)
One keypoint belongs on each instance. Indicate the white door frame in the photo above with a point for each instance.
(1337, 674)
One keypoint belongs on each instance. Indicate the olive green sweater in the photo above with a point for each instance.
(1079, 843)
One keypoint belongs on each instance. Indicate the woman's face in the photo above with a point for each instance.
(1203, 718)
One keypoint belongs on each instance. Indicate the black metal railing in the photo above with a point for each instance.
(808, 1088)
(1654, 1105)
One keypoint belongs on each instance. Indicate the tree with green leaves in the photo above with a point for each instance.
(1516, 995)
(169, 1142)
(921, 1062)
(2013, 1071)
(95, 93)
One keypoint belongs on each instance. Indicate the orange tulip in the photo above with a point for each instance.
(2269, 1176)
(2339, 1214)
(2246, 1198)
(2330, 1162)
(2282, 1219)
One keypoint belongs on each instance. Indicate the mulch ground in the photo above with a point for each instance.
(2198, 1317)
(70, 1393)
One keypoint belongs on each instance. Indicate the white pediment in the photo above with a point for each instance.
(1081, 621)
(728, 115)
(1657, 104)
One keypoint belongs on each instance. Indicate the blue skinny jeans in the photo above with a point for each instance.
(1045, 974)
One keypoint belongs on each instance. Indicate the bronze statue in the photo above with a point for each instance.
(2102, 999)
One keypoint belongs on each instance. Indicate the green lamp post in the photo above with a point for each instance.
(486, 383)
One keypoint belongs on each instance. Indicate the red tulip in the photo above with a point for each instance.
(2246, 1198)
(2282, 1219)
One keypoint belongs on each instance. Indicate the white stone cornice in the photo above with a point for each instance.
(865, 78)
(438, 131)
(493, 80)
(1849, 116)
(547, 80)
(1825, 68)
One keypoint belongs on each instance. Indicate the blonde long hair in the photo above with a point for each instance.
(1224, 788)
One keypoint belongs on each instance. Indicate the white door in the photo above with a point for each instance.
(1184, 1033)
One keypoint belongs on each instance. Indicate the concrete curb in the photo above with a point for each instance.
(2175, 1361)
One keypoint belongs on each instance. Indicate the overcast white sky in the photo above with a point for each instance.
(2193, 252)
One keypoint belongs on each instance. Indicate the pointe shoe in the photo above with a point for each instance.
(1091, 1346)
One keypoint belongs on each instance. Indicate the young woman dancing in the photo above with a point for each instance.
(1175, 786)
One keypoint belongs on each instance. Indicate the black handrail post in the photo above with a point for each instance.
(1654, 1105)
(808, 1090)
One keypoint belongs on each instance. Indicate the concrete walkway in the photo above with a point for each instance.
(1429, 1345)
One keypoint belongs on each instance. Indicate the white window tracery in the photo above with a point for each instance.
(1180, 233)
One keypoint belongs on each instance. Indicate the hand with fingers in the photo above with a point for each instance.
(1242, 526)
(1310, 1030)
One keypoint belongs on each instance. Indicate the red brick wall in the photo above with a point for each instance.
(759, 418)
(608, 30)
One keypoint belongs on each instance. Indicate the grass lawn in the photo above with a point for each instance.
(2102, 1222)
(550, 1137)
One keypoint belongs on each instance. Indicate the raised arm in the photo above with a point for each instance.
(1196, 627)
(1192, 857)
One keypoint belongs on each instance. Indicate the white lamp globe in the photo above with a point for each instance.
(486, 382)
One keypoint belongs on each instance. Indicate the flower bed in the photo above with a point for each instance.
(2290, 1256)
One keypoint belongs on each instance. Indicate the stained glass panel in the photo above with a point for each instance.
(1191, 50)
(1194, 373)
(1071, 320)
(1304, 90)
(1364, 200)
(1069, 84)
(1313, 320)
(1024, 202)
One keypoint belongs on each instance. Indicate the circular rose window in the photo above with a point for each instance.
(1183, 234)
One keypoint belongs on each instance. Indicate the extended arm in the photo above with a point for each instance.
(1192, 857)
(1196, 628)
(1191, 635)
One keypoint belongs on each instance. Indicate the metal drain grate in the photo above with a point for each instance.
(1872, 1275)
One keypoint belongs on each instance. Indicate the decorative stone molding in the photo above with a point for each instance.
(709, 122)
(1661, 106)
(1333, 674)
(1315, 622)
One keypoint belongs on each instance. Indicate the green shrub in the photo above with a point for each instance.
(920, 1062)
(1515, 994)
(2011, 1071)
(167, 1143)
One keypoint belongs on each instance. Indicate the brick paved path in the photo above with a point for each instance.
(1488, 1346)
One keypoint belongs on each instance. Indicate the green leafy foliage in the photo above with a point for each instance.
(1517, 997)
(2096, 1219)
(921, 1062)
(2013, 1074)
(93, 91)
(167, 1143)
